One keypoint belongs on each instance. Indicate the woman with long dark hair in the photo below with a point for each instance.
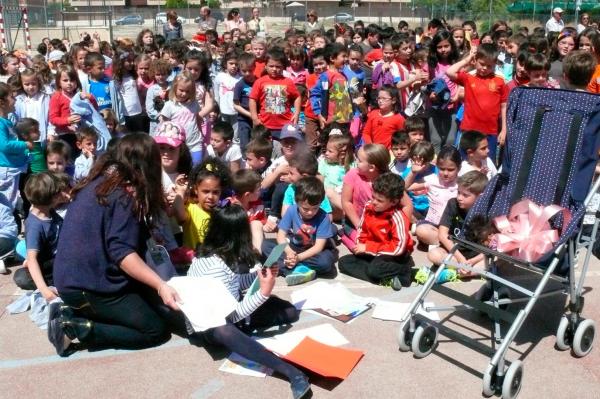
(113, 298)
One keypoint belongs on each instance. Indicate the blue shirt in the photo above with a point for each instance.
(304, 233)
(419, 200)
(241, 94)
(41, 235)
(289, 198)
(13, 153)
(111, 232)
(101, 92)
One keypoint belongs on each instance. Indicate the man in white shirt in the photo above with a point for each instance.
(556, 23)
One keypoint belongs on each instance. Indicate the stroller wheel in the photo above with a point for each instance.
(583, 341)
(564, 334)
(403, 338)
(489, 381)
(512, 380)
(424, 340)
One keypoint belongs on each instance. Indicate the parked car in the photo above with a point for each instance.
(130, 20)
(341, 17)
(161, 18)
(216, 14)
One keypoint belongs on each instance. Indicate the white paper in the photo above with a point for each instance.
(325, 333)
(237, 364)
(334, 298)
(387, 310)
(205, 301)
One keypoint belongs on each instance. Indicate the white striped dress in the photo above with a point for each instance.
(214, 267)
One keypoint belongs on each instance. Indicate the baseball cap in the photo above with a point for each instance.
(169, 133)
(558, 10)
(290, 131)
(55, 55)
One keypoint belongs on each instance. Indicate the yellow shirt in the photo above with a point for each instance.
(195, 228)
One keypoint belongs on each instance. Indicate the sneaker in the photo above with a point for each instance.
(300, 387)
(447, 276)
(422, 275)
(396, 283)
(57, 337)
(301, 274)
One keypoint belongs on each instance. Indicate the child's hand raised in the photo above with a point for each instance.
(417, 166)
(266, 278)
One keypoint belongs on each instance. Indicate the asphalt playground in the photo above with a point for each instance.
(30, 368)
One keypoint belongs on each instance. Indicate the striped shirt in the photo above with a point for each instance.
(214, 267)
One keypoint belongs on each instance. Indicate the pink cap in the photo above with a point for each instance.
(170, 133)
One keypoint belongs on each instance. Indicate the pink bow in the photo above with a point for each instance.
(526, 233)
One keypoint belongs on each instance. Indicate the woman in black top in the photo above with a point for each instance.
(109, 291)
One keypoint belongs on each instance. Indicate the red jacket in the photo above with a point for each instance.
(385, 233)
(59, 112)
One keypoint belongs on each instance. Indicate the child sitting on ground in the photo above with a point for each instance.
(475, 147)
(401, 152)
(308, 229)
(42, 227)
(222, 146)
(470, 186)
(440, 189)
(246, 192)
(421, 156)
(384, 243)
(87, 138)
(333, 166)
(304, 164)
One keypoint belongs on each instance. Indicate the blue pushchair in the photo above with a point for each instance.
(551, 154)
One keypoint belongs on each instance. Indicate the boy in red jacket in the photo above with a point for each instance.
(384, 243)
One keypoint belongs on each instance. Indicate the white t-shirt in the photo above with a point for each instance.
(131, 99)
(438, 195)
(187, 116)
(554, 26)
(223, 90)
(467, 167)
(233, 153)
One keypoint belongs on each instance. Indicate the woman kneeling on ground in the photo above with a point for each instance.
(109, 291)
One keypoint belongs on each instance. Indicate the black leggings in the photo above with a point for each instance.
(126, 320)
(273, 312)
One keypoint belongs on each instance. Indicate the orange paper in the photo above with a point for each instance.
(325, 360)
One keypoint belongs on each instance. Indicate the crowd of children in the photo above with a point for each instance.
(369, 137)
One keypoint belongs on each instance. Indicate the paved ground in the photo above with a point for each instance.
(30, 368)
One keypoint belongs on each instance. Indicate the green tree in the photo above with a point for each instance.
(213, 4)
(176, 4)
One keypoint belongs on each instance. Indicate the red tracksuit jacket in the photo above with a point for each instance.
(385, 233)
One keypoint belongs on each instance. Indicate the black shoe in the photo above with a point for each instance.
(300, 386)
(54, 311)
(396, 284)
(57, 337)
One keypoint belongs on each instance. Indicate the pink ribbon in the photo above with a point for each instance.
(526, 233)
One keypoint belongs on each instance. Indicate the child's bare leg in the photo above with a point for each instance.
(427, 234)
(437, 255)
(336, 203)
(256, 228)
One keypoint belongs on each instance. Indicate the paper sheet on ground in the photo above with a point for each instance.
(334, 298)
(325, 360)
(284, 343)
(387, 310)
(205, 301)
(237, 364)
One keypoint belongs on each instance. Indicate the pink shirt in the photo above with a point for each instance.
(438, 195)
(362, 191)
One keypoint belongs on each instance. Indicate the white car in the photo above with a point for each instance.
(161, 18)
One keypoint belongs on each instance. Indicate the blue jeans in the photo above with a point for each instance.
(322, 263)
(493, 147)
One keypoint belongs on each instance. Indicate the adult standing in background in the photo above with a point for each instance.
(312, 22)
(584, 22)
(257, 24)
(556, 23)
(172, 29)
(234, 21)
(206, 21)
